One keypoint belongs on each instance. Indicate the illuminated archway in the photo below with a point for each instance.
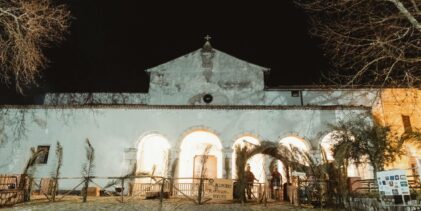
(193, 145)
(256, 162)
(282, 170)
(411, 160)
(299, 143)
(292, 141)
(363, 170)
(327, 144)
(152, 155)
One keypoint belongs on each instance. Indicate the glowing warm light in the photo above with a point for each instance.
(413, 150)
(281, 169)
(256, 162)
(194, 144)
(327, 144)
(300, 144)
(153, 155)
(362, 170)
(352, 170)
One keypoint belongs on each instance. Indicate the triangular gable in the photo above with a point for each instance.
(193, 60)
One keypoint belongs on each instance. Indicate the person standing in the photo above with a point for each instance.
(249, 179)
(275, 183)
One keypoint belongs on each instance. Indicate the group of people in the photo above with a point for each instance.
(275, 182)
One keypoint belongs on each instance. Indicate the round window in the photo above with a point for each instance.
(207, 98)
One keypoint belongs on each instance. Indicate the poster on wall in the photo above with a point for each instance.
(393, 182)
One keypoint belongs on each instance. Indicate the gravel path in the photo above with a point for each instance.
(111, 203)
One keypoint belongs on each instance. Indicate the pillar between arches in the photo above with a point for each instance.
(173, 156)
(226, 165)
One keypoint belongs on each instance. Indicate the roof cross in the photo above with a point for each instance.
(207, 38)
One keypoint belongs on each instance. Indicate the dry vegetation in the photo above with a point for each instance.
(26, 27)
(369, 42)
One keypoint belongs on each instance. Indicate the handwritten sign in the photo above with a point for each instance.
(219, 189)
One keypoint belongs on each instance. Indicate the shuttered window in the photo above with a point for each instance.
(406, 123)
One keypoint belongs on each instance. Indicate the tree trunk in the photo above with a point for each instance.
(375, 169)
(27, 187)
(85, 190)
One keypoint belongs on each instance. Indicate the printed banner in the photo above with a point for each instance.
(393, 182)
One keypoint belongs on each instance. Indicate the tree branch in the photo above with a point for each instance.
(406, 13)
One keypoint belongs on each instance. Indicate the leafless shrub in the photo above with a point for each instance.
(56, 174)
(27, 179)
(87, 169)
(203, 169)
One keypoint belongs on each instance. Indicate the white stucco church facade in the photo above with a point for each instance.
(205, 97)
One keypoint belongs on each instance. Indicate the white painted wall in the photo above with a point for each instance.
(112, 130)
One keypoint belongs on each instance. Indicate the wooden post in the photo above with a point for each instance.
(122, 190)
(161, 191)
(265, 195)
(54, 188)
(298, 190)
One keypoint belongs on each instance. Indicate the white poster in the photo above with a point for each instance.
(393, 182)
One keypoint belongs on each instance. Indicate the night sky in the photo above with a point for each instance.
(111, 43)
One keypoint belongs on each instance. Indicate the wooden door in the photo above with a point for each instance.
(209, 168)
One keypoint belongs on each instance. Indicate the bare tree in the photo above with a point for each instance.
(27, 26)
(369, 42)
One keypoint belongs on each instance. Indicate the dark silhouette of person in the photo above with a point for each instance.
(275, 183)
(249, 179)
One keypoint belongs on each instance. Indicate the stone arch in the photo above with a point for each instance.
(296, 141)
(192, 145)
(145, 134)
(257, 162)
(298, 135)
(152, 155)
(250, 134)
(326, 144)
(192, 129)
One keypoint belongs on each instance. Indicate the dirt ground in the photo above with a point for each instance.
(113, 203)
